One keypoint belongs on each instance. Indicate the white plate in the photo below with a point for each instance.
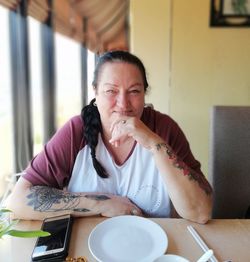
(127, 239)
(171, 258)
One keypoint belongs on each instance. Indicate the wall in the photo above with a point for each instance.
(150, 41)
(204, 67)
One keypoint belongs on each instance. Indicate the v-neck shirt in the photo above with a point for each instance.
(66, 162)
(137, 178)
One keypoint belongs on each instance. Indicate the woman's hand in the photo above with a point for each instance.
(117, 206)
(125, 127)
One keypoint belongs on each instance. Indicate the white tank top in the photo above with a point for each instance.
(138, 179)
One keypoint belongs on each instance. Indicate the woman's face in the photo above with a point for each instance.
(120, 92)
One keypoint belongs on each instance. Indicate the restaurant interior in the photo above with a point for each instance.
(197, 59)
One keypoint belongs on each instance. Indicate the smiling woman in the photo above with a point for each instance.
(118, 158)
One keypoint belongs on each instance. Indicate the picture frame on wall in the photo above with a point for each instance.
(230, 13)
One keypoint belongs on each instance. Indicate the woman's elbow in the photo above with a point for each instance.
(203, 214)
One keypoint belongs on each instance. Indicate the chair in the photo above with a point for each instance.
(229, 160)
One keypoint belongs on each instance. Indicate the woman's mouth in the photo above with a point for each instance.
(124, 113)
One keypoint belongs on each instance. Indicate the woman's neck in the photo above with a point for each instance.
(121, 153)
(106, 135)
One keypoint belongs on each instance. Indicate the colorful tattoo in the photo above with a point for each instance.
(43, 198)
(191, 174)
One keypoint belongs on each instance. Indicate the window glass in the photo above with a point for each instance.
(68, 78)
(91, 67)
(36, 82)
(6, 120)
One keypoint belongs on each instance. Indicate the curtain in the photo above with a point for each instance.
(99, 25)
(23, 140)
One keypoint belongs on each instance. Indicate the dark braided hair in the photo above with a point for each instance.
(90, 114)
(92, 127)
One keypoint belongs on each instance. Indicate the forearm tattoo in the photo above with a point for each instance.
(97, 197)
(43, 198)
(191, 174)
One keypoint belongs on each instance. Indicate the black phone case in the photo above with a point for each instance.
(52, 259)
(58, 257)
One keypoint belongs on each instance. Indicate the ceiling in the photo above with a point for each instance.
(100, 25)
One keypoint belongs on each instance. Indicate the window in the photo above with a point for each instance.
(68, 88)
(36, 83)
(68, 78)
(6, 120)
(91, 67)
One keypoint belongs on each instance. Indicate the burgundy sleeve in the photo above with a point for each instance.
(170, 131)
(180, 145)
(53, 166)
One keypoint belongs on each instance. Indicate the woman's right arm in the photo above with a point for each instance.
(37, 202)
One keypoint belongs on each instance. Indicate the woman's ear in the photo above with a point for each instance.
(94, 90)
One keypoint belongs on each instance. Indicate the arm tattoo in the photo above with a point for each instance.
(97, 197)
(191, 174)
(43, 198)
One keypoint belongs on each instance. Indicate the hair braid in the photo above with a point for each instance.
(92, 128)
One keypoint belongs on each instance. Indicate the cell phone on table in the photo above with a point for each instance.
(56, 245)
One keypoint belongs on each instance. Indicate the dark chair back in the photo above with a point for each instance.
(229, 160)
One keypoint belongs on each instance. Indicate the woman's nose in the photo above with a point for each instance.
(122, 100)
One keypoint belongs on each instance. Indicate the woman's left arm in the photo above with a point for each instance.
(190, 192)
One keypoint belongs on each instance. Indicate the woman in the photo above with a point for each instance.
(117, 158)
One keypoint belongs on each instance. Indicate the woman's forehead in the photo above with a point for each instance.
(117, 64)
(117, 69)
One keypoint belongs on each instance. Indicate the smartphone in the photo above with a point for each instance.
(56, 245)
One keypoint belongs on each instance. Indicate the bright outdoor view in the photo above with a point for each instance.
(6, 137)
(68, 88)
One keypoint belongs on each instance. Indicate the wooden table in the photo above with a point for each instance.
(229, 238)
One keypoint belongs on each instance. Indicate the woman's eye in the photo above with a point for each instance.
(110, 91)
(134, 91)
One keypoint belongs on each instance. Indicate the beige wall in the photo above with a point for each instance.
(150, 41)
(209, 66)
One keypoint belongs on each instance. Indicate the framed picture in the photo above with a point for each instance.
(230, 13)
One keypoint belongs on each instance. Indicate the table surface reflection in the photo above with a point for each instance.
(229, 238)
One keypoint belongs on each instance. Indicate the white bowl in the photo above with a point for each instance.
(171, 258)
